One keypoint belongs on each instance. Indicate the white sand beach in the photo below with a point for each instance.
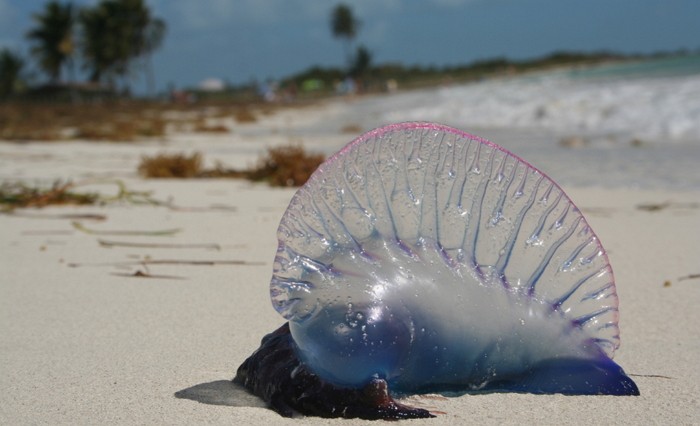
(85, 340)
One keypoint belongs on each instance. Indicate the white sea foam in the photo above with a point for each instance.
(651, 109)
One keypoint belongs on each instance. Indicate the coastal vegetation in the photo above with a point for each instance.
(374, 77)
(54, 113)
(108, 42)
(111, 40)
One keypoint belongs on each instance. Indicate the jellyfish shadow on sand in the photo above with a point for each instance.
(221, 392)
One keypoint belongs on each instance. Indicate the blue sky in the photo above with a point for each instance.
(238, 40)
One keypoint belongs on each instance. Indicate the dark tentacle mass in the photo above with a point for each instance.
(275, 373)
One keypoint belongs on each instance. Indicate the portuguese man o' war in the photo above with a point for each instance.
(422, 259)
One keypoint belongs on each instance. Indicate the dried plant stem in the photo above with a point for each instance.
(171, 262)
(689, 277)
(106, 243)
(162, 232)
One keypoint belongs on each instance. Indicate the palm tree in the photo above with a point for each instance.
(106, 40)
(344, 26)
(154, 33)
(361, 62)
(11, 65)
(97, 39)
(52, 38)
(114, 33)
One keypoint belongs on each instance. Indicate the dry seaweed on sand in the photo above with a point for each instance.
(171, 166)
(19, 195)
(288, 165)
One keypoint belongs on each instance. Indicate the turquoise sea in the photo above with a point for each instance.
(633, 124)
(665, 67)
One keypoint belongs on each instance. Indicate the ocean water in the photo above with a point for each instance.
(621, 125)
(673, 66)
(647, 101)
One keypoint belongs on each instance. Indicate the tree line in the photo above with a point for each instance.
(345, 26)
(109, 41)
